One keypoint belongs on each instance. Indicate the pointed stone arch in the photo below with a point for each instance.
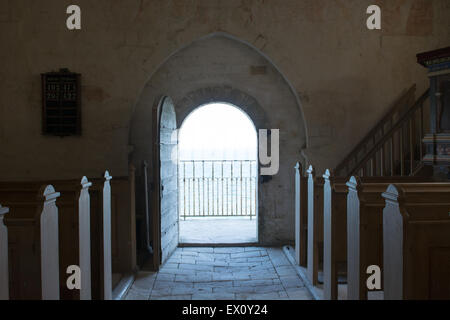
(221, 68)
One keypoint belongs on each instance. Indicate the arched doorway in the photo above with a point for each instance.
(219, 67)
(218, 174)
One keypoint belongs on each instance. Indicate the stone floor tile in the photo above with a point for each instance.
(286, 271)
(133, 294)
(228, 249)
(291, 282)
(262, 296)
(298, 294)
(246, 254)
(220, 273)
(265, 282)
(198, 249)
(175, 297)
(214, 296)
(196, 267)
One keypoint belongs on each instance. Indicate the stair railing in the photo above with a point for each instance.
(355, 161)
(400, 150)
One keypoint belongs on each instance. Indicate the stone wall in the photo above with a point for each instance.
(312, 67)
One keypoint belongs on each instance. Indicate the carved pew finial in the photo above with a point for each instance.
(312, 252)
(329, 267)
(107, 268)
(85, 183)
(84, 231)
(49, 243)
(327, 174)
(310, 170)
(300, 217)
(355, 287)
(354, 182)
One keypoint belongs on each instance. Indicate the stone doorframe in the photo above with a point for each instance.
(239, 99)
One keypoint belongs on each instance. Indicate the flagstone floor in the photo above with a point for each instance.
(230, 230)
(222, 273)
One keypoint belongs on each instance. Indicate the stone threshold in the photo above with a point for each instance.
(221, 245)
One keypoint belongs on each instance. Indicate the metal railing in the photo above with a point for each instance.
(217, 188)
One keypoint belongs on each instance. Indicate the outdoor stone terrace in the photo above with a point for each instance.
(222, 273)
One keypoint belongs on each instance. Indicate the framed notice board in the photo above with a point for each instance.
(61, 103)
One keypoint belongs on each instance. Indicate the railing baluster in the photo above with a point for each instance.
(231, 187)
(184, 189)
(205, 192)
(411, 147)
(193, 196)
(391, 155)
(372, 166)
(217, 197)
(213, 193)
(382, 161)
(246, 194)
(223, 197)
(256, 186)
(207, 186)
(189, 194)
(421, 132)
(240, 191)
(250, 192)
(199, 202)
(203, 184)
(402, 164)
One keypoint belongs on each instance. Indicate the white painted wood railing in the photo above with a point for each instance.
(4, 274)
(107, 273)
(49, 245)
(297, 213)
(84, 210)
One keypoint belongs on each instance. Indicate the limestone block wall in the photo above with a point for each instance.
(327, 78)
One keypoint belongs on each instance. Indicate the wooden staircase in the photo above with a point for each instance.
(394, 146)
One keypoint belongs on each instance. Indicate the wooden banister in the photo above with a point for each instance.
(388, 119)
(398, 127)
(377, 159)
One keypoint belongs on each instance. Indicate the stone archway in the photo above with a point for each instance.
(221, 68)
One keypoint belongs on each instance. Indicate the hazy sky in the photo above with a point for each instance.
(217, 131)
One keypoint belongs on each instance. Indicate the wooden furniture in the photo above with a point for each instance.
(301, 216)
(416, 241)
(4, 273)
(49, 243)
(365, 228)
(84, 231)
(107, 273)
(23, 239)
(35, 246)
(78, 205)
(437, 139)
(315, 225)
(334, 233)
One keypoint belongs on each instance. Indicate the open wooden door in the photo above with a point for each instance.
(165, 187)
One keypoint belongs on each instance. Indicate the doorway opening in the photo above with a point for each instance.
(217, 176)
